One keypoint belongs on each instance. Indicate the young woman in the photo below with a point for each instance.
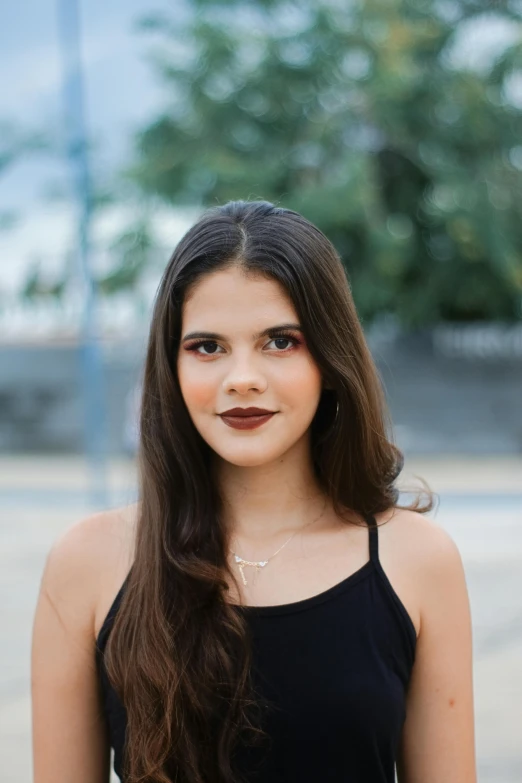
(267, 611)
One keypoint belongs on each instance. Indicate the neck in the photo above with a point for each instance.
(263, 503)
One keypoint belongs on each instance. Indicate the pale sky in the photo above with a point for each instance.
(121, 93)
(121, 88)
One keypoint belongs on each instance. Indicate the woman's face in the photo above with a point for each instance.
(238, 367)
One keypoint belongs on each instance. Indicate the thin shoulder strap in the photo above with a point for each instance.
(373, 531)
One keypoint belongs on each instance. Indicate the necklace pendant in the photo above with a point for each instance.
(257, 564)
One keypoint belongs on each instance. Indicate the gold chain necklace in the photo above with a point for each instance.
(258, 564)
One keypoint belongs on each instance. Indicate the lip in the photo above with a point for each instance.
(252, 411)
(246, 422)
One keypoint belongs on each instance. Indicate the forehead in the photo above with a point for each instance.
(232, 297)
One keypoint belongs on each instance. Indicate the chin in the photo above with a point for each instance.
(251, 457)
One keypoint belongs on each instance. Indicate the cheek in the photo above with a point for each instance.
(302, 378)
(198, 388)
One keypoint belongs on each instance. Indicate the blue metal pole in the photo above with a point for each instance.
(91, 358)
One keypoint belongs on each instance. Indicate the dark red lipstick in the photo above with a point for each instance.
(246, 418)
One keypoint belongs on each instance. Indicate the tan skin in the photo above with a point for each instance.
(270, 489)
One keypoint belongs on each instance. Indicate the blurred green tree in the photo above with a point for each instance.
(16, 143)
(132, 252)
(355, 114)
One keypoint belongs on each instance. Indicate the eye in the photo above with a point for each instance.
(285, 339)
(195, 347)
(276, 338)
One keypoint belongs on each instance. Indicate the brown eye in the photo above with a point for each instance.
(207, 343)
(279, 340)
(284, 339)
(212, 345)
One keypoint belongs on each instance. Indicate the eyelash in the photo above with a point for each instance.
(276, 336)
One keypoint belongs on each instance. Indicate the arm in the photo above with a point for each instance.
(438, 740)
(70, 742)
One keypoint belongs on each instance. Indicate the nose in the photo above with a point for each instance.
(243, 375)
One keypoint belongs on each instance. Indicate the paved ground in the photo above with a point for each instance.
(480, 505)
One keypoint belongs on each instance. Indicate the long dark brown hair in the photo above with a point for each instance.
(179, 652)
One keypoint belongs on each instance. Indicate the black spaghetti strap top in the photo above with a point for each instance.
(335, 669)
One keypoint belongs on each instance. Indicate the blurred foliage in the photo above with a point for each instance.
(131, 252)
(37, 285)
(15, 143)
(354, 114)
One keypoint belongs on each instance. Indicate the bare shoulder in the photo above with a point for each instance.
(417, 535)
(87, 561)
(418, 555)
(81, 567)
(425, 567)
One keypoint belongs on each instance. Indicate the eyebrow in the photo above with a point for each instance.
(264, 333)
